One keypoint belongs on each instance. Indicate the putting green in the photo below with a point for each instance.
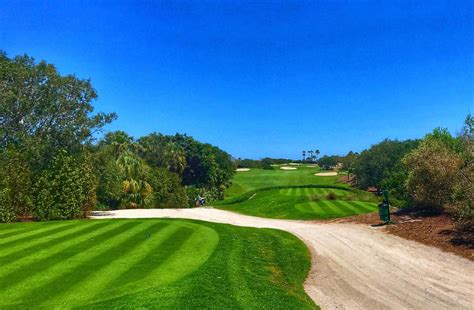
(154, 263)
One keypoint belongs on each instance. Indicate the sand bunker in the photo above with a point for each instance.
(312, 166)
(294, 164)
(326, 174)
(287, 168)
(242, 169)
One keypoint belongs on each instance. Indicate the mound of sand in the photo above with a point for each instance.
(326, 174)
(287, 168)
(242, 169)
(294, 164)
(312, 166)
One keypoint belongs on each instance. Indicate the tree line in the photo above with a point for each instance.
(435, 173)
(52, 167)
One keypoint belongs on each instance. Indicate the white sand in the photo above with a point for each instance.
(294, 164)
(242, 169)
(356, 266)
(326, 174)
(312, 166)
(288, 168)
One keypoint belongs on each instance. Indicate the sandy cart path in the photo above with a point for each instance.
(356, 266)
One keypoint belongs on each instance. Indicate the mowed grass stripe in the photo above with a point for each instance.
(364, 206)
(71, 273)
(32, 235)
(136, 264)
(345, 207)
(36, 270)
(328, 209)
(138, 273)
(13, 231)
(43, 244)
(18, 267)
(94, 273)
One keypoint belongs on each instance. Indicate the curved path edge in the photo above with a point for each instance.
(355, 266)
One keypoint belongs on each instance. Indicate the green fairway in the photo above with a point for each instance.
(258, 178)
(150, 264)
(303, 203)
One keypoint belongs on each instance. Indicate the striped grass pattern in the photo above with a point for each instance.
(149, 263)
(303, 203)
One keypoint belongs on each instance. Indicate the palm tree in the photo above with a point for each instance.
(174, 158)
(304, 156)
(310, 155)
(317, 152)
(136, 191)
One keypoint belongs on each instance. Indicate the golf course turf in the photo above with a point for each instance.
(295, 194)
(259, 178)
(150, 263)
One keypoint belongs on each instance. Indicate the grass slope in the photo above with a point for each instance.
(303, 203)
(294, 194)
(258, 178)
(150, 263)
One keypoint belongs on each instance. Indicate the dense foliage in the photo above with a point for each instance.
(435, 173)
(52, 169)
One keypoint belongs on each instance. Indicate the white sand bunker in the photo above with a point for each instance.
(242, 169)
(312, 166)
(326, 174)
(287, 168)
(294, 164)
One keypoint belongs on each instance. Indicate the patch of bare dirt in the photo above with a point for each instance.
(438, 230)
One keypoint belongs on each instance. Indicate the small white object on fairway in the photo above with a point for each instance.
(326, 174)
(355, 266)
(242, 169)
(288, 168)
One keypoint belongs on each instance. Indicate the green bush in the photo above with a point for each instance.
(15, 175)
(433, 167)
(7, 213)
(109, 188)
(65, 189)
(167, 189)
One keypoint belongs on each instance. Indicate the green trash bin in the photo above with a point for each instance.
(384, 212)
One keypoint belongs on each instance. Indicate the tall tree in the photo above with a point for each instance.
(40, 107)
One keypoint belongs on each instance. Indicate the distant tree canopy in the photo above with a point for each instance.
(264, 163)
(53, 169)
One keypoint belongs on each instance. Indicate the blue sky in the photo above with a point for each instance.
(261, 78)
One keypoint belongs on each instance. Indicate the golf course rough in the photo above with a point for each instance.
(151, 263)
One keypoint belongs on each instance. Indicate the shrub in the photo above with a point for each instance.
(7, 213)
(15, 175)
(109, 188)
(65, 189)
(331, 196)
(167, 189)
(433, 167)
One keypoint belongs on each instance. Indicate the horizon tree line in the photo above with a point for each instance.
(310, 155)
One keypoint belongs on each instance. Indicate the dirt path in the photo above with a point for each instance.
(356, 266)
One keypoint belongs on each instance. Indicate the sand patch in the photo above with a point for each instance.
(242, 169)
(294, 164)
(287, 168)
(326, 174)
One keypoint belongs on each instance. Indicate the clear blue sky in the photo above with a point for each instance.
(261, 78)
